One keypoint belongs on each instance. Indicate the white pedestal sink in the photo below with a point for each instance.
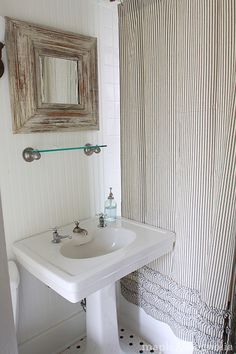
(89, 266)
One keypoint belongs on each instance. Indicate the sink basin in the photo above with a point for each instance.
(104, 241)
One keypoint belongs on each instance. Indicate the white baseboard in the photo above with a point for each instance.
(154, 332)
(57, 338)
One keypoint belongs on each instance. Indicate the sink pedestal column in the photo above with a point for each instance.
(101, 322)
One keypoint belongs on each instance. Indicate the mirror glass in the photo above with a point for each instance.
(59, 80)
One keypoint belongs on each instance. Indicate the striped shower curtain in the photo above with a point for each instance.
(178, 157)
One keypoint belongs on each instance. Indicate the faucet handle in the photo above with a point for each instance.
(101, 215)
(101, 220)
(54, 229)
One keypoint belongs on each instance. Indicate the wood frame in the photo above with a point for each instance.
(25, 42)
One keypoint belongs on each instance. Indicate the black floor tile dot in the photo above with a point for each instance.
(130, 341)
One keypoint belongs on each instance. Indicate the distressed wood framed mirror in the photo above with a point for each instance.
(53, 78)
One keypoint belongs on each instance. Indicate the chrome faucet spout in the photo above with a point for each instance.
(79, 230)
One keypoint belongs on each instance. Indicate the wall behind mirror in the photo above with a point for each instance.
(60, 187)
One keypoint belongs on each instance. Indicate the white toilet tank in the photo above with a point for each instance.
(14, 284)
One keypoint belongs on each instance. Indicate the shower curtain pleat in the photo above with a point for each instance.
(178, 156)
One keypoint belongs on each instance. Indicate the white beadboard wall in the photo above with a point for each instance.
(61, 187)
(8, 343)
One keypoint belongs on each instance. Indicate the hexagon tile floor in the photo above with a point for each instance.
(129, 342)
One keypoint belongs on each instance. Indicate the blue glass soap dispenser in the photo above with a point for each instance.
(110, 207)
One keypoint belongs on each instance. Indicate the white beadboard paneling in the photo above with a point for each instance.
(8, 343)
(51, 312)
(57, 338)
(61, 187)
